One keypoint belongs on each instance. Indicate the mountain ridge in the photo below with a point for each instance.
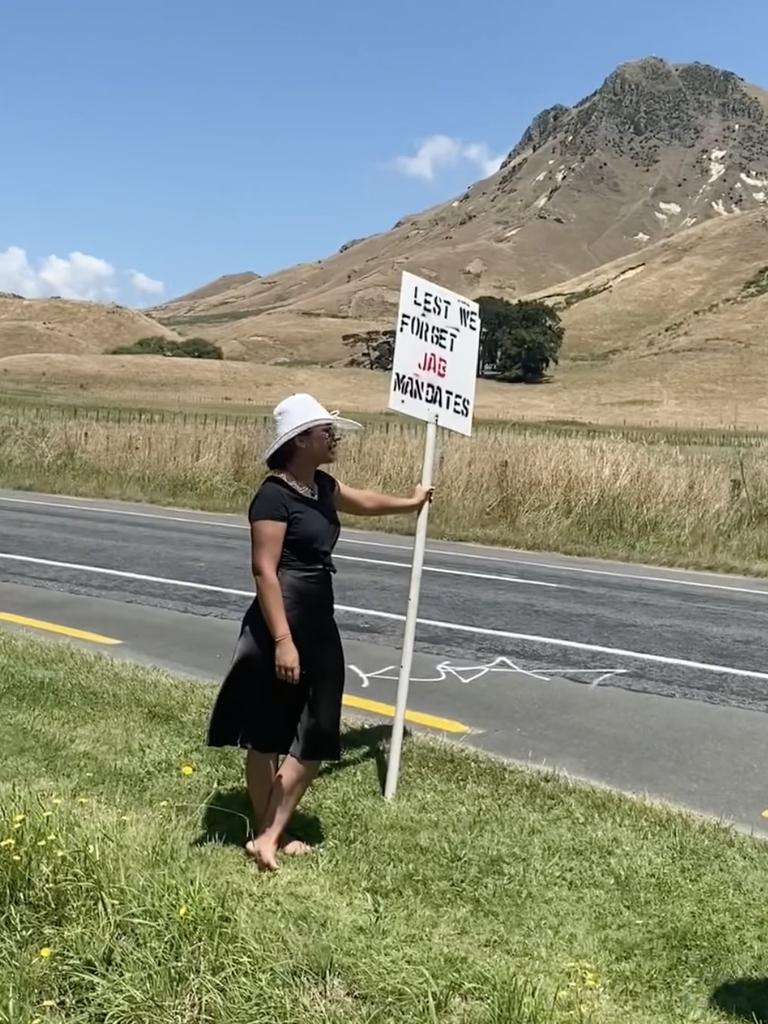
(656, 153)
(657, 149)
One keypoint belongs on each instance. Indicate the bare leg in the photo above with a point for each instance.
(290, 784)
(260, 771)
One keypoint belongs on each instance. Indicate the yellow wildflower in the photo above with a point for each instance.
(56, 801)
(17, 857)
(18, 824)
(7, 843)
(41, 842)
(183, 910)
(61, 853)
(18, 818)
(51, 839)
(46, 953)
(163, 803)
(187, 770)
(48, 1003)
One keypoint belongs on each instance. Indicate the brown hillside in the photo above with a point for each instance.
(225, 283)
(706, 284)
(718, 384)
(657, 149)
(59, 325)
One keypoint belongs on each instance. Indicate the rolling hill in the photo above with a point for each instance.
(65, 326)
(657, 150)
(641, 213)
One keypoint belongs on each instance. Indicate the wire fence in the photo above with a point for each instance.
(16, 415)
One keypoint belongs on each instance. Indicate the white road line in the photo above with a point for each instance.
(346, 558)
(124, 574)
(573, 645)
(456, 627)
(442, 552)
(455, 572)
(124, 512)
(641, 577)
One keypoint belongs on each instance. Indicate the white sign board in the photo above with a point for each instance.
(435, 362)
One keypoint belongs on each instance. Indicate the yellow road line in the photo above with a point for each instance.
(417, 717)
(359, 703)
(55, 627)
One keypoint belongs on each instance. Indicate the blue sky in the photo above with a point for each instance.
(166, 143)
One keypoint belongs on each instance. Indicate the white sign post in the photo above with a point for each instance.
(434, 370)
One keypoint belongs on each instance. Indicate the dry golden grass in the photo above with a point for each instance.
(651, 299)
(720, 387)
(679, 295)
(61, 326)
(609, 497)
(665, 336)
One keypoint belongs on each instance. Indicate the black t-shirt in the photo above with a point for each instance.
(312, 525)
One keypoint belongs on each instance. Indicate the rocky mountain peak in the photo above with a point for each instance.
(656, 149)
(648, 104)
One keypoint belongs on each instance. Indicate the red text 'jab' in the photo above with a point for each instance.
(432, 363)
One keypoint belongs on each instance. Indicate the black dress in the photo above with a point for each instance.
(254, 709)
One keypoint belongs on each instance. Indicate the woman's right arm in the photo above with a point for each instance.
(266, 548)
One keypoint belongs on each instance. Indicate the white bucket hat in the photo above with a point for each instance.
(298, 413)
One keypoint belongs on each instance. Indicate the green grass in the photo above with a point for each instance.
(573, 298)
(484, 895)
(207, 318)
(756, 285)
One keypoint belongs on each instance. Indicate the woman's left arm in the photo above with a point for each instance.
(371, 503)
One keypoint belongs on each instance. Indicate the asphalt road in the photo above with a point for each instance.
(545, 658)
(676, 634)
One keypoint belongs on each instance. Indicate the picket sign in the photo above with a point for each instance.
(434, 370)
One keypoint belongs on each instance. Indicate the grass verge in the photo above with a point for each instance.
(484, 895)
(605, 495)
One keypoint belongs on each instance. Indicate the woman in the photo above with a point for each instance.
(282, 695)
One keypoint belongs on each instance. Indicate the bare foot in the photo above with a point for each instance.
(262, 852)
(294, 847)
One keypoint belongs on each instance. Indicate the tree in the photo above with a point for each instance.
(199, 348)
(518, 340)
(189, 348)
(373, 350)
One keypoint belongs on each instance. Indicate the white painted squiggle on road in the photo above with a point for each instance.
(446, 670)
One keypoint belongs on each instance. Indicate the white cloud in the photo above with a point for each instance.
(439, 151)
(433, 153)
(145, 285)
(77, 276)
(16, 275)
(480, 154)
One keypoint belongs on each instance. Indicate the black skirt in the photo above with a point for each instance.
(255, 710)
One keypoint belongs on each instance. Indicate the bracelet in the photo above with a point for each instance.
(285, 636)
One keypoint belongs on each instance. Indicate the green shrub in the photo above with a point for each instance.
(190, 348)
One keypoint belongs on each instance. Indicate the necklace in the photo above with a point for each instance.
(305, 489)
